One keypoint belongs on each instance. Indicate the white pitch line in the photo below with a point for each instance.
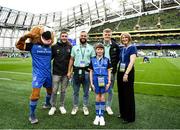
(148, 83)
(5, 79)
(10, 72)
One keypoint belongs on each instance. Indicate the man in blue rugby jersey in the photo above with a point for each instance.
(39, 46)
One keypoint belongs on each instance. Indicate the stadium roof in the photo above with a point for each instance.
(40, 6)
(18, 16)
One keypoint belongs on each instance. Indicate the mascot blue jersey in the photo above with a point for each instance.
(100, 67)
(41, 59)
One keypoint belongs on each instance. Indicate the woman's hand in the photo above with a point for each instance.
(125, 77)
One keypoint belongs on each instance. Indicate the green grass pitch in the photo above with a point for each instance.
(157, 95)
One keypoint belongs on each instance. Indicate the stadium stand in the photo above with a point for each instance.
(95, 16)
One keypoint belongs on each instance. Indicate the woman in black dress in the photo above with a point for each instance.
(125, 79)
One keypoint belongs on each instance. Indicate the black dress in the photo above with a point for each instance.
(126, 96)
(126, 89)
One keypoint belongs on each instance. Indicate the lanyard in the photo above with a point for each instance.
(123, 53)
(83, 53)
(100, 62)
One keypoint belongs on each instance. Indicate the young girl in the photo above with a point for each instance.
(100, 79)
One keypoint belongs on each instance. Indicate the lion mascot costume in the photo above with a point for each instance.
(38, 42)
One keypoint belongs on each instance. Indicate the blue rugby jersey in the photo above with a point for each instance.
(100, 67)
(41, 59)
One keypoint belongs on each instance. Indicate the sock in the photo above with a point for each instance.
(102, 108)
(48, 97)
(97, 108)
(32, 106)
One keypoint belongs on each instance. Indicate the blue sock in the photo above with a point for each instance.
(32, 106)
(97, 108)
(102, 108)
(48, 97)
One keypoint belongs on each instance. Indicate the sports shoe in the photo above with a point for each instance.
(62, 110)
(101, 120)
(96, 120)
(119, 116)
(33, 119)
(46, 106)
(85, 110)
(109, 110)
(52, 111)
(74, 110)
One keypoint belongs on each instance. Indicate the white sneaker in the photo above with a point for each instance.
(33, 119)
(96, 120)
(74, 110)
(85, 110)
(109, 110)
(52, 111)
(101, 120)
(62, 110)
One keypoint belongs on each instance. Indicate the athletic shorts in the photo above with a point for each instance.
(38, 82)
(100, 89)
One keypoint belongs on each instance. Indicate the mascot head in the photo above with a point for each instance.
(42, 34)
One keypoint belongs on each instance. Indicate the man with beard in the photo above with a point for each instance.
(80, 60)
(60, 55)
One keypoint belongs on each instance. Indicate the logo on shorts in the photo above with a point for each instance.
(36, 83)
(34, 78)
